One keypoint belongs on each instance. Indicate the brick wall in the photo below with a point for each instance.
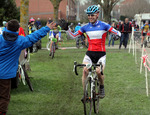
(44, 9)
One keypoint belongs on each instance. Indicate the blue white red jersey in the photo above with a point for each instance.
(96, 34)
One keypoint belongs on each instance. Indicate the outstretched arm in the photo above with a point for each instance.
(74, 35)
(114, 31)
(32, 38)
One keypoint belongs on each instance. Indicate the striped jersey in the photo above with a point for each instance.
(96, 34)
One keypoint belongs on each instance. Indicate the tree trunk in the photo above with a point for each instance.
(107, 15)
(55, 13)
(24, 16)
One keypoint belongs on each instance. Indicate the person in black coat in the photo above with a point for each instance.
(125, 29)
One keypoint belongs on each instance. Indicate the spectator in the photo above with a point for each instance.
(125, 29)
(38, 24)
(111, 35)
(12, 46)
(80, 37)
(4, 25)
(50, 20)
(118, 25)
(136, 26)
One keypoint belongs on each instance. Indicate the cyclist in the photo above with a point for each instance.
(31, 28)
(55, 35)
(96, 32)
(145, 28)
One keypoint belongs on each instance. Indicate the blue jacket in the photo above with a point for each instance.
(11, 45)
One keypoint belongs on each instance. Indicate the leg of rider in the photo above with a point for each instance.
(101, 80)
(51, 46)
(57, 36)
(84, 75)
(86, 60)
(100, 77)
(142, 40)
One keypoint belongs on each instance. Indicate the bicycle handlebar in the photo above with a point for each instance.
(84, 65)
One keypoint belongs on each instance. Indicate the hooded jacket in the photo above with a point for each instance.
(11, 45)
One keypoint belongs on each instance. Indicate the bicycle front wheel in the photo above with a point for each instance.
(48, 45)
(96, 97)
(87, 101)
(53, 50)
(27, 79)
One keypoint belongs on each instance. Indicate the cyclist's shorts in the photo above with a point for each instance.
(95, 57)
(144, 34)
(54, 39)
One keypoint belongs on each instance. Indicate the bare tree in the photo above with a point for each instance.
(136, 7)
(56, 7)
(107, 6)
(24, 16)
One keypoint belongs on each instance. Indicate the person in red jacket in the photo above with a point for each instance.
(21, 32)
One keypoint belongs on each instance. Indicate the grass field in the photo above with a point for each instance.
(57, 91)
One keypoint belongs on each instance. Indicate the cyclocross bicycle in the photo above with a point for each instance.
(91, 92)
(22, 75)
(52, 50)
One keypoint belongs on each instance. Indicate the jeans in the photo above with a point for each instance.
(111, 39)
(124, 39)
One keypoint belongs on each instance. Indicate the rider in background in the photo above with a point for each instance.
(96, 32)
(55, 35)
(71, 28)
(31, 28)
(145, 28)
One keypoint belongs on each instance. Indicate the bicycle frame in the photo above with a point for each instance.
(92, 78)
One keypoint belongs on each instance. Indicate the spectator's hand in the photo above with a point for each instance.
(51, 25)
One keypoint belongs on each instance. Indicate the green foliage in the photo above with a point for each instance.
(8, 10)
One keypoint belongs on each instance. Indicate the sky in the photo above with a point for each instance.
(82, 1)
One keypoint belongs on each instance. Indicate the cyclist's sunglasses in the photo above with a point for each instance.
(92, 15)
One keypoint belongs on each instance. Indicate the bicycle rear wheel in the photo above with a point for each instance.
(87, 101)
(27, 79)
(96, 97)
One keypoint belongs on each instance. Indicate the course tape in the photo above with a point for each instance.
(145, 60)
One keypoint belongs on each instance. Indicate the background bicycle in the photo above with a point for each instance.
(22, 75)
